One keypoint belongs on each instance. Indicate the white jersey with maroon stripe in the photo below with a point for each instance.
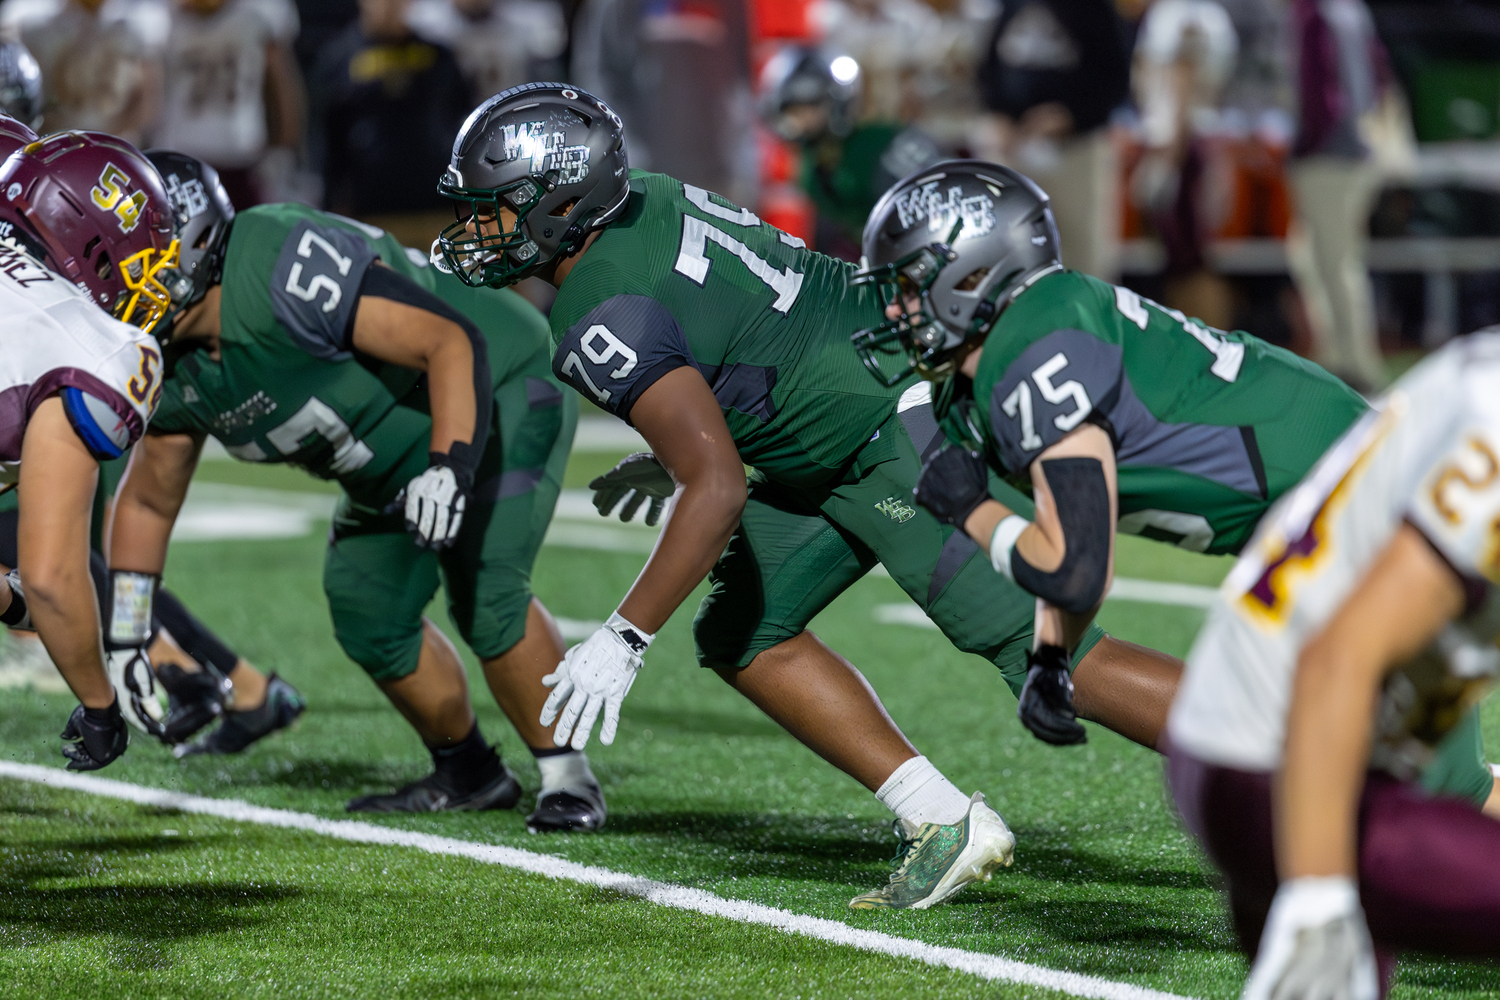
(1427, 455)
(55, 340)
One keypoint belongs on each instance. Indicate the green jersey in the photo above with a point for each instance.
(288, 386)
(846, 177)
(1209, 427)
(685, 279)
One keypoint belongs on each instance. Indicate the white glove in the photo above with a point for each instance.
(1315, 945)
(594, 675)
(136, 690)
(434, 507)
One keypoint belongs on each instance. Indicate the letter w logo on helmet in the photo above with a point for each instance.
(110, 194)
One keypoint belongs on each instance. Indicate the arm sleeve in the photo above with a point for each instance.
(1457, 506)
(619, 349)
(1055, 385)
(315, 287)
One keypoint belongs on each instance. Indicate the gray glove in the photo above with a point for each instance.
(636, 479)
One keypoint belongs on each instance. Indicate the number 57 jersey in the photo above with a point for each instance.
(1209, 427)
(684, 279)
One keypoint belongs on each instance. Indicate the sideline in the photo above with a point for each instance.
(678, 897)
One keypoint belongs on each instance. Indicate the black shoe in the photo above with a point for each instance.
(433, 794)
(240, 729)
(193, 700)
(564, 811)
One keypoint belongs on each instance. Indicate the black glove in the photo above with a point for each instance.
(635, 479)
(1046, 706)
(952, 484)
(16, 615)
(101, 737)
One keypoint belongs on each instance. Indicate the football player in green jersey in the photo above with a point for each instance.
(307, 338)
(724, 341)
(810, 95)
(1117, 412)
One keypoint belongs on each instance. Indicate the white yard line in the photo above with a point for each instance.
(663, 893)
(1183, 595)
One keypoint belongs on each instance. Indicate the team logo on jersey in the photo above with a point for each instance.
(109, 194)
(897, 510)
(531, 141)
(942, 212)
(188, 197)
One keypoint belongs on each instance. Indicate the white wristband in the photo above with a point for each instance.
(637, 639)
(1004, 540)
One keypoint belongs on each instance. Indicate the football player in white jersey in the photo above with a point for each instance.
(1355, 632)
(85, 233)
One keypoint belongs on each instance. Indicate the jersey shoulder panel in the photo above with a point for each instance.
(619, 349)
(314, 285)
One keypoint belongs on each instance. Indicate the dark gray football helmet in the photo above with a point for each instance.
(961, 239)
(20, 84)
(810, 75)
(549, 154)
(202, 213)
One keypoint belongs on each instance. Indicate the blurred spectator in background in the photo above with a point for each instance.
(1184, 55)
(388, 106)
(1054, 72)
(1343, 86)
(234, 94)
(20, 84)
(100, 61)
(811, 96)
(678, 73)
(498, 43)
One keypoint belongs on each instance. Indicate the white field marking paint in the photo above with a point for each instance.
(1184, 595)
(662, 893)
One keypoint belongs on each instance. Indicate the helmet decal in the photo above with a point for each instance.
(943, 212)
(188, 197)
(531, 141)
(110, 195)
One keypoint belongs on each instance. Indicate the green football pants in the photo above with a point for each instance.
(797, 548)
(378, 582)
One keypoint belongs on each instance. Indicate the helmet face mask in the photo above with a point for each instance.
(997, 237)
(146, 299)
(534, 171)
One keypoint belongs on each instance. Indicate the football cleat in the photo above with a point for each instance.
(281, 708)
(434, 794)
(568, 810)
(937, 861)
(194, 699)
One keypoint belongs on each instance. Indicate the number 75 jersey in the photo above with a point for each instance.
(684, 279)
(1209, 427)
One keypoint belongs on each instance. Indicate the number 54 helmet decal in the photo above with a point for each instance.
(949, 247)
(95, 210)
(535, 169)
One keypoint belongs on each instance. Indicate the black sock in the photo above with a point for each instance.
(467, 765)
(549, 751)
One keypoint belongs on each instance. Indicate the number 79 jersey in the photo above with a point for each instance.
(684, 279)
(1209, 427)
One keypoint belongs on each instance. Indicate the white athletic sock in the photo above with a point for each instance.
(566, 772)
(918, 793)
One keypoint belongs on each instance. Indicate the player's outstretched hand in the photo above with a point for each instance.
(636, 479)
(435, 507)
(137, 696)
(97, 736)
(952, 484)
(1315, 945)
(1046, 703)
(594, 676)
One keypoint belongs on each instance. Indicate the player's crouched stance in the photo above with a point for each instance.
(306, 338)
(1351, 637)
(85, 232)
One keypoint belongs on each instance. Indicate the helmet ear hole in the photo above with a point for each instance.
(561, 211)
(972, 279)
(88, 248)
(102, 266)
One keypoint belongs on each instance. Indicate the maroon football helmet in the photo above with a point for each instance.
(99, 212)
(13, 135)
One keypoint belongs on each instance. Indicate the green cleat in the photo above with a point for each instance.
(937, 861)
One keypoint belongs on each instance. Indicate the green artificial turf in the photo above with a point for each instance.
(703, 790)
